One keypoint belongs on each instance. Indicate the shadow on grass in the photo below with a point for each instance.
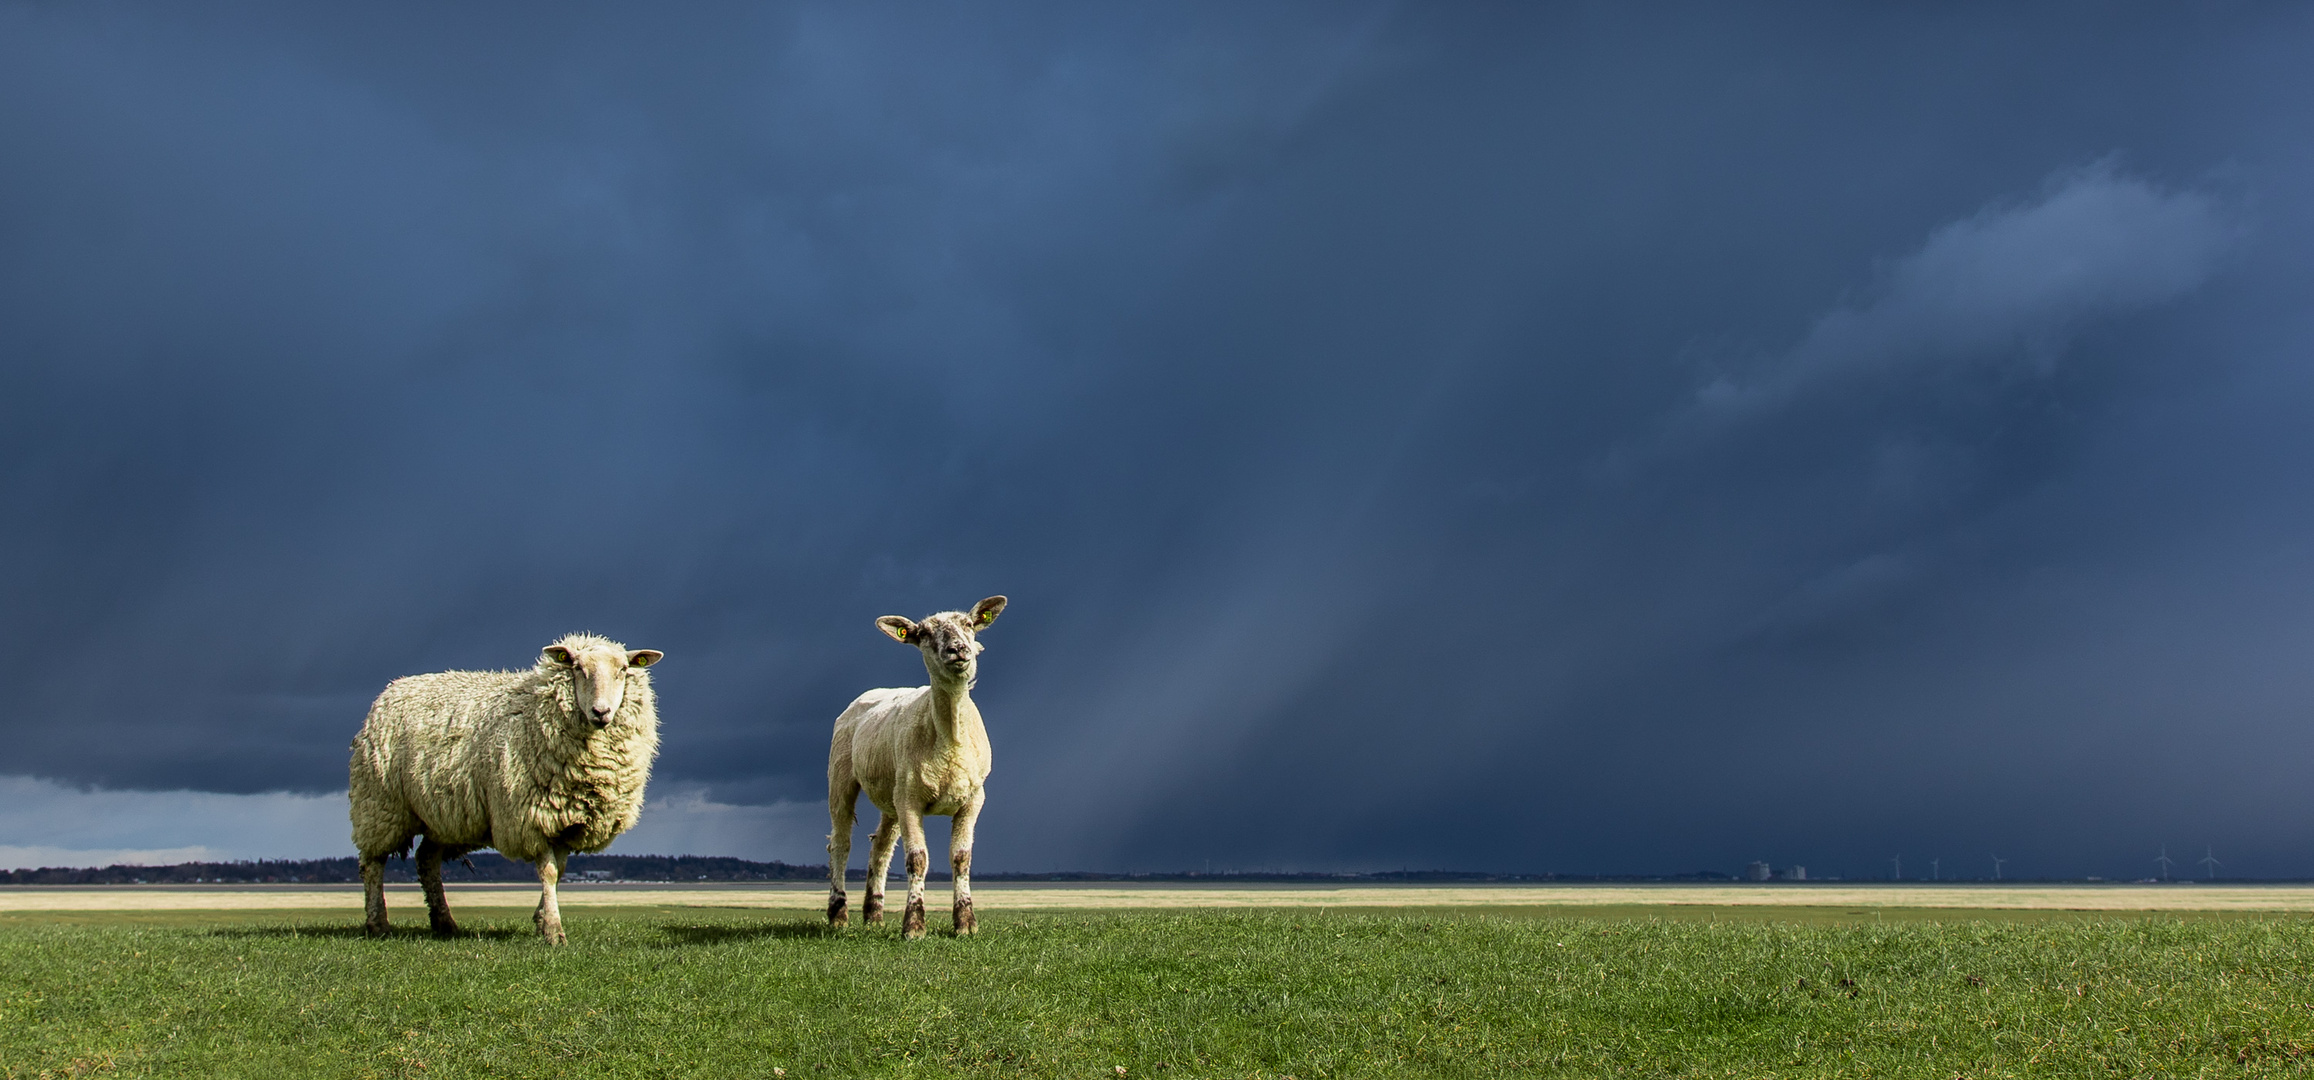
(355, 932)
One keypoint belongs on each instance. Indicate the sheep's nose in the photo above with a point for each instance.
(602, 714)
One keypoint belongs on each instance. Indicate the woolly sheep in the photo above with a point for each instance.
(915, 752)
(537, 764)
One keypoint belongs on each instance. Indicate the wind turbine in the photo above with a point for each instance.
(1932, 872)
(1997, 861)
(2209, 860)
(2164, 861)
(1899, 861)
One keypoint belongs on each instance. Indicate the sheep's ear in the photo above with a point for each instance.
(644, 657)
(900, 629)
(556, 654)
(985, 612)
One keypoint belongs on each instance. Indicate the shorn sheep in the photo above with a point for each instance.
(537, 764)
(915, 752)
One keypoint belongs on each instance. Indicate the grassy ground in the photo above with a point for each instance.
(686, 992)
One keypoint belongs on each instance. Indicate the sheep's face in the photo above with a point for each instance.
(599, 677)
(950, 641)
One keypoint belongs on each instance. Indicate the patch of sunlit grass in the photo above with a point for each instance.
(677, 992)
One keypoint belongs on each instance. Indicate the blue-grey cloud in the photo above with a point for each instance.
(1534, 438)
(51, 824)
(2010, 285)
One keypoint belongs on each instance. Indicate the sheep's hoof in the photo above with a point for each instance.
(966, 925)
(550, 930)
(912, 924)
(872, 911)
(837, 916)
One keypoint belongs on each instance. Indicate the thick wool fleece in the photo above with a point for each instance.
(501, 759)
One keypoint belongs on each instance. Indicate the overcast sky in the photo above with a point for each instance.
(1590, 439)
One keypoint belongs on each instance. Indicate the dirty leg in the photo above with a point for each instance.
(960, 865)
(839, 852)
(549, 914)
(912, 923)
(374, 896)
(879, 867)
(430, 878)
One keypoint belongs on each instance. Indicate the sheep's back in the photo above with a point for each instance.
(435, 743)
(870, 731)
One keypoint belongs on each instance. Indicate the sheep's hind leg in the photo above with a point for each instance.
(374, 895)
(549, 915)
(919, 860)
(841, 815)
(879, 866)
(430, 855)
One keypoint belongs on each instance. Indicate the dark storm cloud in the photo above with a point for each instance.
(1573, 439)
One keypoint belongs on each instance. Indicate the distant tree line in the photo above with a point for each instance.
(481, 866)
(490, 866)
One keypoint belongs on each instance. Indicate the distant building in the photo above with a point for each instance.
(1759, 871)
(1795, 873)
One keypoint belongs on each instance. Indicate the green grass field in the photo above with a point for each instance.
(687, 992)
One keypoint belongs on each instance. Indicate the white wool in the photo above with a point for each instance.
(504, 759)
(914, 752)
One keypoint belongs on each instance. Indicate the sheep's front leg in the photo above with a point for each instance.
(841, 811)
(960, 864)
(430, 877)
(549, 915)
(880, 865)
(374, 896)
(919, 860)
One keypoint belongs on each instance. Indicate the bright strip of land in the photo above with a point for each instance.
(2174, 897)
